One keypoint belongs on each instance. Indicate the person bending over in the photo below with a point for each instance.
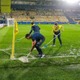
(37, 40)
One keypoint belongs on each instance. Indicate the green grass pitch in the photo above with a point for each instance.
(54, 68)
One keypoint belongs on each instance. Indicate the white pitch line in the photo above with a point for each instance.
(5, 52)
(64, 56)
(5, 49)
(25, 59)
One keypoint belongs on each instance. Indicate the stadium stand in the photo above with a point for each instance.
(44, 11)
(41, 16)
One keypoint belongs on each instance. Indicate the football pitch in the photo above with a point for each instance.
(60, 62)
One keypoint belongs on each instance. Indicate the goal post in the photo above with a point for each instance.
(10, 22)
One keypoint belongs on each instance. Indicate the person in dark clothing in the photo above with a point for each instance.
(37, 40)
(34, 28)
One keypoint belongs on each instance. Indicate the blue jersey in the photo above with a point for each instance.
(35, 29)
(37, 37)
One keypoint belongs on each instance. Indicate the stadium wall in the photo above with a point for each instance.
(22, 22)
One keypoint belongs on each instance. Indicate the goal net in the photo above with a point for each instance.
(10, 22)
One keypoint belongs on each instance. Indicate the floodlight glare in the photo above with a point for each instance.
(79, 4)
(71, 1)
